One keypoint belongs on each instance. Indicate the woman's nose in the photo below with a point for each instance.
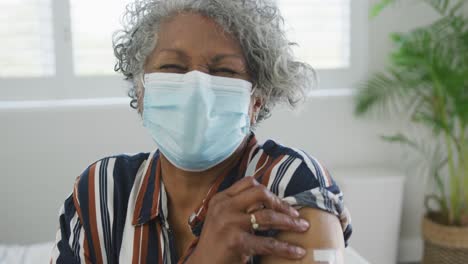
(200, 67)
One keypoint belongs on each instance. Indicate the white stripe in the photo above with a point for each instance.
(72, 229)
(97, 202)
(82, 237)
(126, 252)
(253, 164)
(141, 244)
(75, 190)
(332, 198)
(263, 165)
(274, 171)
(319, 198)
(163, 203)
(54, 253)
(162, 246)
(324, 174)
(291, 200)
(252, 151)
(279, 175)
(287, 176)
(110, 193)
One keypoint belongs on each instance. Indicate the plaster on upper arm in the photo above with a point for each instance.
(324, 237)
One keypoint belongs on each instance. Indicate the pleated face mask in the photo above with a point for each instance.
(196, 119)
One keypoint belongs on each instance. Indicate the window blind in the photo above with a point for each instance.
(93, 23)
(321, 28)
(27, 38)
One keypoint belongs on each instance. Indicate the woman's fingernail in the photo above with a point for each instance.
(294, 212)
(304, 224)
(299, 251)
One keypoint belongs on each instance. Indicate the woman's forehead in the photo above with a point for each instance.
(194, 33)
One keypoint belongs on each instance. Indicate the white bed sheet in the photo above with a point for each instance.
(31, 254)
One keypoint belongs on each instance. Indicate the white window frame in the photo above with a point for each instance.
(65, 85)
(346, 78)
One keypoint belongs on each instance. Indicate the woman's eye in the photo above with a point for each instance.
(171, 66)
(224, 70)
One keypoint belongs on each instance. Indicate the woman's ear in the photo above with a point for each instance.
(255, 107)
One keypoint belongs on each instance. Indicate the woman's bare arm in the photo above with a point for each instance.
(325, 233)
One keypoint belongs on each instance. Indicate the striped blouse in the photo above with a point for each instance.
(117, 212)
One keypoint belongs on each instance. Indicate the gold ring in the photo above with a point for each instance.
(253, 221)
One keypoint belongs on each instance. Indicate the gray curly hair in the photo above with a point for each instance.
(256, 24)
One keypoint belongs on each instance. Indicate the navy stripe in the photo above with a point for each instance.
(153, 244)
(76, 237)
(104, 208)
(281, 170)
(66, 253)
(321, 178)
(125, 170)
(83, 198)
(302, 179)
(145, 214)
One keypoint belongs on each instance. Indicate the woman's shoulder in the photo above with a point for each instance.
(301, 180)
(289, 170)
(115, 172)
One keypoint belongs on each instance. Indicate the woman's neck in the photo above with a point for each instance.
(186, 189)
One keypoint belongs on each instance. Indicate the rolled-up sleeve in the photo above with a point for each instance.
(311, 185)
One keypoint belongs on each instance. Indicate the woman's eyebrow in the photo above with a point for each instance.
(220, 57)
(178, 52)
(214, 60)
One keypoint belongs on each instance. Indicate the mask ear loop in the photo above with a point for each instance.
(253, 90)
(256, 113)
(142, 79)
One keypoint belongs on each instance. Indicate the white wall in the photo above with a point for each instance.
(42, 150)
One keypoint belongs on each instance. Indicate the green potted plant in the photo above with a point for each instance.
(426, 84)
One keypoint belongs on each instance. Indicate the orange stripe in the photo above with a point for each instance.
(160, 244)
(136, 244)
(157, 187)
(78, 210)
(86, 250)
(144, 243)
(245, 156)
(92, 214)
(141, 194)
(75, 198)
(259, 164)
(266, 176)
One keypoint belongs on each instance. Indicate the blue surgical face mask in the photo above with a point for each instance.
(196, 119)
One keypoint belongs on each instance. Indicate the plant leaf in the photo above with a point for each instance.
(377, 8)
(399, 138)
(439, 5)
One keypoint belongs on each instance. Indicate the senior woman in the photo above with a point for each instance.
(204, 73)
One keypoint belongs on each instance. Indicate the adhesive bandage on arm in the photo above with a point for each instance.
(325, 256)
